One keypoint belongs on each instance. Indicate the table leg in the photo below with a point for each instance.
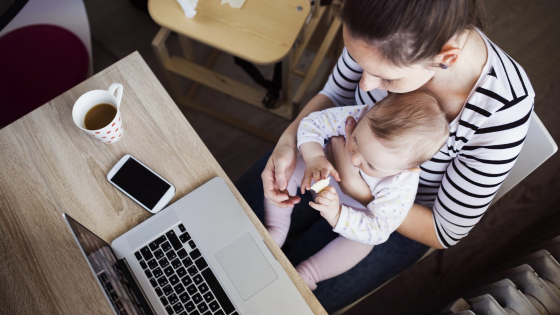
(187, 47)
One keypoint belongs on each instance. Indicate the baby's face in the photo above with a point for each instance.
(369, 155)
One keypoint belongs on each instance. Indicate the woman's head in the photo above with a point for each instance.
(401, 43)
(400, 132)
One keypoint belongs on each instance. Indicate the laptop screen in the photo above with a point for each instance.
(105, 267)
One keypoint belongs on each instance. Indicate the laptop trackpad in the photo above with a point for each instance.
(246, 266)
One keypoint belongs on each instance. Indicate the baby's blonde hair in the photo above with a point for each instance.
(412, 123)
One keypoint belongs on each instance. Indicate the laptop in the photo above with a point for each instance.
(201, 255)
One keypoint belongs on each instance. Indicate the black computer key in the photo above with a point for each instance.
(109, 286)
(186, 281)
(176, 263)
(203, 288)
(174, 280)
(201, 263)
(219, 292)
(181, 272)
(146, 253)
(158, 254)
(162, 281)
(163, 300)
(191, 289)
(179, 288)
(192, 271)
(163, 262)
(178, 308)
(159, 292)
(143, 264)
(169, 310)
(173, 299)
(138, 255)
(157, 272)
(195, 254)
(166, 246)
(194, 313)
(234, 313)
(153, 282)
(202, 307)
(192, 244)
(152, 263)
(214, 306)
(182, 253)
(148, 273)
(169, 271)
(197, 298)
(187, 262)
(185, 237)
(184, 297)
(198, 279)
(155, 244)
(190, 306)
(208, 297)
(220, 312)
(172, 237)
(171, 255)
(167, 290)
(207, 313)
(182, 228)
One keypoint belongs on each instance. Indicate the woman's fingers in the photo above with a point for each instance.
(316, 175)
(280, 166)
(325, 172)
(334, 173)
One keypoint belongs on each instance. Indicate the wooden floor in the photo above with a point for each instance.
(529, 32)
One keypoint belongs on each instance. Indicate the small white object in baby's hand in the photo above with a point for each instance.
(188, 7)
(319, 186)
(237, 4)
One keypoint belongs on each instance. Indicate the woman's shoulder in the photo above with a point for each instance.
(503, 84)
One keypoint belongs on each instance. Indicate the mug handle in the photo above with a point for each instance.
(119, 88)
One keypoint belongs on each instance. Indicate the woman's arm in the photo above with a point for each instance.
(419, 226)
(282, 162)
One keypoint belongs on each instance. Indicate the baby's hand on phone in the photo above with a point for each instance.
(328, 204)
(317, 168)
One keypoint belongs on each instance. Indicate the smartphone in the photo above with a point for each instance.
(141, 184)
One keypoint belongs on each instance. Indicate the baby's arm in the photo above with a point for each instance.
(385, 213)
(313, 131)
(321, 126)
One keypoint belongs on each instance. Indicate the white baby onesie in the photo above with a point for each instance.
(393, 195)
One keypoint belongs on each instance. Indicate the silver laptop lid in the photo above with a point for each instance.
(109, 272)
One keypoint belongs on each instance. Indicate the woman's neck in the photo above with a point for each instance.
(452, 86)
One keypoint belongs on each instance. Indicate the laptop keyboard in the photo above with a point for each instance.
(181, 278)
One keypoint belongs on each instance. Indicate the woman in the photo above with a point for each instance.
(397, 47)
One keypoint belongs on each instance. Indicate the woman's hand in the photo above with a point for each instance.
(277, 173)
(351, 182)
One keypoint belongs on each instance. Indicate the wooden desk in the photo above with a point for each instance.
(48, 166)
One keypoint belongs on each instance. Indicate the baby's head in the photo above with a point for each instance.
(400, 132)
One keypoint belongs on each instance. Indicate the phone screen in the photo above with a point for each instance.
(140, 183)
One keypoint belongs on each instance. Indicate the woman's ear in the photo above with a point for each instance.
(449, 54)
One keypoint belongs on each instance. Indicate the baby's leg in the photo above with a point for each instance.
(337, 257)
(276, 219)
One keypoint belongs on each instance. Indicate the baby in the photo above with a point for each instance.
(392, 138)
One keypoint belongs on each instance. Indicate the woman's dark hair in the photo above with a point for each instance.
(410, 31)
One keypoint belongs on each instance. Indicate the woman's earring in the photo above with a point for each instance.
(441, 65)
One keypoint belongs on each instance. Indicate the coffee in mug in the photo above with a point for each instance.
(99, 116)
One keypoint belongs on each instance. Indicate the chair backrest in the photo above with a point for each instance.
(538, 147)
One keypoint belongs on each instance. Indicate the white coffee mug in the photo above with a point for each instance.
(114, 130)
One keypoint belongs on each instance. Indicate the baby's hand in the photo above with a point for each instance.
(317, 168)
(328, 204)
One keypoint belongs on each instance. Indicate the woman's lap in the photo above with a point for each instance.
(383, 263)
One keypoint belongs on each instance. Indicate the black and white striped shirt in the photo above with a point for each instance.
(460, 181)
